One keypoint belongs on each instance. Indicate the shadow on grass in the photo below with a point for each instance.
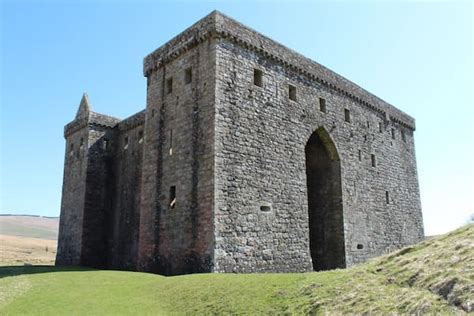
(7, 271)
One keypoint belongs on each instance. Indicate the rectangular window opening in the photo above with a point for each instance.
(322, 105)
(372, 158)
(140, 137)
(172, 202)
(258, 77)
(71, 149)
(393, 133)
(169, 85)
(105, 143)
(380, 127)
(404, 136)
(347, 115)
(188, 75)
(387, 197)
(360, 155)
(292, 92)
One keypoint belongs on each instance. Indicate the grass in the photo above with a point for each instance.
(435, 276)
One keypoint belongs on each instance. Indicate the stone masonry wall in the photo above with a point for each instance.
(177, 237)
(72, 201)
(98, 198)
(125, 218)
(260, 159)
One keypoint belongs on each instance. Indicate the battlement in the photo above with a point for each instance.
(218, 25)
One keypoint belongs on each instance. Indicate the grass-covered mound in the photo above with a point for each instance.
(435, 276)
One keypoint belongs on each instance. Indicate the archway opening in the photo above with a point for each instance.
(323, 180)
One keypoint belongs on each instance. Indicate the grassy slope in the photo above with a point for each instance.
(436, 276)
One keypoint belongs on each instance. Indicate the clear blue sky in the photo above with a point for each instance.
(416, 55)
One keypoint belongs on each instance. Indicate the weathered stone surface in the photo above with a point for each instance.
(219, 174)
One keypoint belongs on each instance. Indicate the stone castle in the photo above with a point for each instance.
(248, 157)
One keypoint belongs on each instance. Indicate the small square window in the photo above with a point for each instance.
(322, 105)
(372, 158)
(347, 115)
(169, 85)
(188, 75)
(292, 92)
(258, 77)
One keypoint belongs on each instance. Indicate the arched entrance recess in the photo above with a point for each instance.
(323, 180)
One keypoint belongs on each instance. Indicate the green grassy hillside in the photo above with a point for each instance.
(436, 276)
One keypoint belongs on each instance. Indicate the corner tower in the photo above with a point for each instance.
(177, 196)
(85, 203)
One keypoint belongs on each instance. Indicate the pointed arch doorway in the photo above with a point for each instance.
(323, 180)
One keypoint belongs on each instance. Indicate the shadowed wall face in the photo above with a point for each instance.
(326, 228)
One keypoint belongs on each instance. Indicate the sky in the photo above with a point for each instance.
(417, 56)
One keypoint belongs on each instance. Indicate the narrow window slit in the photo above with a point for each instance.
(171, 142)
(322, 105)
(258, 77)
(172, 200)
(169, 85)
(125, 146)
(292, 92)
(347, 115)
(188, 75)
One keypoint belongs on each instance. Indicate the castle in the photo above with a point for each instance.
(248, 157)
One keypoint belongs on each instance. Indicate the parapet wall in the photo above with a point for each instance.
(217, 25)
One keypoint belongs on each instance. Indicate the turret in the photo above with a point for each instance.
(85, 205)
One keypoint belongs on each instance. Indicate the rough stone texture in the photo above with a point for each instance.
(262, 182)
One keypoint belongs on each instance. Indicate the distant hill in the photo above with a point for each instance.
(29, 226)
(434, 277)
